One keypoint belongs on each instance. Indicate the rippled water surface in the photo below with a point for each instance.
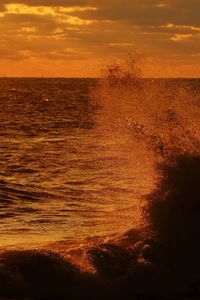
(65, 174)
(72, 165)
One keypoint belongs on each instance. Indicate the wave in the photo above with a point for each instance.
(10, 192)
(159, 260)
(162, 260)
(161, 115)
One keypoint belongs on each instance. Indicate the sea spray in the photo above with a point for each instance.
(158, 122)
(162, 114)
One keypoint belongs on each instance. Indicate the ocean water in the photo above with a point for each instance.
(101, 178)
(73, 165)
(65, 174)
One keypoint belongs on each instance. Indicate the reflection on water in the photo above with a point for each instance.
(75, 164)
(66, 171)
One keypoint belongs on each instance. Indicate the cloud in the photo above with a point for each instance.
(147, 12)
(175, 27)
(47, 2)
(99, 29)
(181, 37)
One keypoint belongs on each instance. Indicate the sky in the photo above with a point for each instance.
(75, 38)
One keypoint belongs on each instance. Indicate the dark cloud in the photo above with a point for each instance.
(2, 8)
(183, 3)
(144, 13)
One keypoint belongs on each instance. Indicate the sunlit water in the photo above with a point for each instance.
(70, 168)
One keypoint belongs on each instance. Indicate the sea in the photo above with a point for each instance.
(71, 167)
(65, 172)
(78, 161)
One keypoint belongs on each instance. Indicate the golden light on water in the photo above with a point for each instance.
(99, 177)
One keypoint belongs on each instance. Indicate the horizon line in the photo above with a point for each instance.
(84, 77)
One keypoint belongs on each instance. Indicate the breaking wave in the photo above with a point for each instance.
(161, 114)
(161, 259)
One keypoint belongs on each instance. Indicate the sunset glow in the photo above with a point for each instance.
(68, 38)
(100, 149)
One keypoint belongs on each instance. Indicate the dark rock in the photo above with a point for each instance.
(110, 260)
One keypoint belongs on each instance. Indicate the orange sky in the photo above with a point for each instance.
(73, 38)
